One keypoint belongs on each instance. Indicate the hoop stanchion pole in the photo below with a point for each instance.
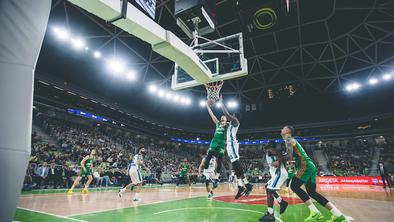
(23, 24)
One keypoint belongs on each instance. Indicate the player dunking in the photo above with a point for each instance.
(133, 169)
(86, 171)
(218, 141)
(232, 148)
(210, 175)
(306, 175)
(279, 175)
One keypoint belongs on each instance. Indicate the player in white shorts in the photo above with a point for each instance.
(279, 176)
(210, 175)
(232, 147)
(133, 169)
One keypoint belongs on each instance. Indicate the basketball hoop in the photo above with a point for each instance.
(213, 90)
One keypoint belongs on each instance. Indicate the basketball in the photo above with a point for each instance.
(211, 102)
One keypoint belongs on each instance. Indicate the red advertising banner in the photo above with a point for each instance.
(357, 180)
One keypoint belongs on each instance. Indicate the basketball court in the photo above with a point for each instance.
(361, 202)
(201, 57)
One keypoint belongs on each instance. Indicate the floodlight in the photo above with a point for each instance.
(176, 98)
(77, 43)
(152, 88)
(161, 93)
(387, 76)
(116, 65)
(373, 81)
(131, 76)
(97, 54)
(169, 95)
(61, 33)
(202, 103)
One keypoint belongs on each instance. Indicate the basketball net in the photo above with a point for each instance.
(213, 90)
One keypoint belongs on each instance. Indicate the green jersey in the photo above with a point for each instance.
(88, 164)
(219, 138)
(306, 169)
(184, 169)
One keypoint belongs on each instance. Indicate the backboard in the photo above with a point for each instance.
(223, 57)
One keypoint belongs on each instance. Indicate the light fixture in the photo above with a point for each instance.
(77, 43)
(97, 54)
(131, 76)
(152, 88)
(202, 103)
(387, 77)
(373, 81)
(161, 93)
(61, 33)
(116, 66)
(352, 87)
(232, 104)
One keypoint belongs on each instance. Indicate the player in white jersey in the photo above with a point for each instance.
(279, 175)
(210, 175)
(232, 147)
(133, 169)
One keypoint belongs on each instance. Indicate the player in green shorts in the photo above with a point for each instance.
(306, 175)
(184, 170)
(218, 142)
(86, 171)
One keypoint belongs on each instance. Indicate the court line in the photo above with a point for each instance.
(208, 208)
(50, 214)
(122, 208)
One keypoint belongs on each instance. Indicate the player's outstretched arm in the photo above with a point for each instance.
(214, 119)
(232, 118)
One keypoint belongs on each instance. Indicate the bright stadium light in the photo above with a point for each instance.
(232, 104)
(161, 93)
(169, 95)
(202, 103)
(352, 87)
(183, 100)
(61, 33)
(131, 76)
(152, 88)
(387, 77)
(176, 98)
(78, 43)
(97, 54)
(373, 81)
(86, 48)
(116, 66)
(188, 101)
(218, 104)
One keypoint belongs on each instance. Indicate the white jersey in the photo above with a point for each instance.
(232, 143)
(232, 133)
(212, 166)
(278, 174)
(137, 160)
(210, 172)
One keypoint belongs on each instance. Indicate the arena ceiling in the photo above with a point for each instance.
(317, 48)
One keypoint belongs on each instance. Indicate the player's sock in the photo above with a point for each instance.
(270, 210)
(240, 183)
(336, 212)
(313, 208)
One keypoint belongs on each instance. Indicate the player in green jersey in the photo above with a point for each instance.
(86, 171)
(218, 142)
(306, 175)
(183, 173)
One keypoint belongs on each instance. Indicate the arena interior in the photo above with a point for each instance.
(105, 117)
